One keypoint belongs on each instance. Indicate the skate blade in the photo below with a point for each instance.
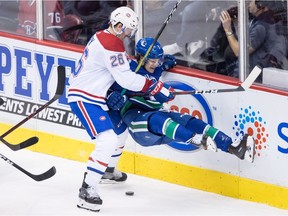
(88, 206)
(109, 181)
(250, 152)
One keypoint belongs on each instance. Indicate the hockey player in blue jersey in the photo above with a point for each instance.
(150, 125)
(156, 64)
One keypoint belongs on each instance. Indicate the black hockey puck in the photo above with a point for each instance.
(129, 193)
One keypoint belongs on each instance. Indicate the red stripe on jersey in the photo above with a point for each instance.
(110, 41)
(86, 93)
(87, 118)
(101, 163)
(147, 84)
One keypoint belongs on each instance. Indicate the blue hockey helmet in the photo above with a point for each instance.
(143, 45)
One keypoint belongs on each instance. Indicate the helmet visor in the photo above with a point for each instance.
(156, 62)
(129, 32)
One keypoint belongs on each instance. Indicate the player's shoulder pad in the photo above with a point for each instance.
(110, 42)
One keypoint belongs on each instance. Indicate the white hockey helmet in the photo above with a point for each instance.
(127, 17)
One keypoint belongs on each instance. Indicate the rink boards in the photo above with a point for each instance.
(28, 78)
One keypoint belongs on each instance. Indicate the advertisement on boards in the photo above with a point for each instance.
(28, 79)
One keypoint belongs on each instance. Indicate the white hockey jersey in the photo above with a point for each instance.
(103, 62)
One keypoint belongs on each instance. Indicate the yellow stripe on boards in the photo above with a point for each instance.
(52, 144)
(168, 171)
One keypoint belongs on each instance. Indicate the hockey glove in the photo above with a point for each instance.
(161, 92)
(115, 100)
(169, 62)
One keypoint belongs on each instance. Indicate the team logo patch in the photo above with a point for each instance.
(102, 118)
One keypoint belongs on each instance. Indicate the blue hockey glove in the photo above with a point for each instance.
(162, 92)
(169, 62)
(115, 100)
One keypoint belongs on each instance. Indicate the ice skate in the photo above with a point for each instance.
(89, 198)
(204, 141)
(113, 175)
(245, 149)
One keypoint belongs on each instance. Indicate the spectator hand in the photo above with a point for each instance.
(226, 21)
(169, 62)
(270, 61)
(162, 92)
(115, 100)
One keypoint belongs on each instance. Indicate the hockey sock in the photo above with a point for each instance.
(159, 123)
(99, 158)
(222, 141)
(198, 126)
(119, 149)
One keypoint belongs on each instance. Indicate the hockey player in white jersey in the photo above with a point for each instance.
(103, 62)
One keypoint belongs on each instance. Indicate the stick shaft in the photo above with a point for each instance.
(59, 92)
(244, 86)
(158, 34)
(39, 177)
(155, 39)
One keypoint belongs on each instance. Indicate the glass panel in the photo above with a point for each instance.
(53, 19)
(9, 16)
(27, 18)
(77, 21)
(91, 15)
(194, 34)
(268, 41)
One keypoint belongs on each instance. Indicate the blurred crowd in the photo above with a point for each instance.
(197, 34)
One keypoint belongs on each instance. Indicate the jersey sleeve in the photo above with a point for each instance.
(118, 65)
(257, 36)
(122, 73)
(116, 61)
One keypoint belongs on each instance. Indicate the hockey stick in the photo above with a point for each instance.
(59, 92)
(243, 87)
(155, 39)
(40, 177)
(158, 35)
(16, 147)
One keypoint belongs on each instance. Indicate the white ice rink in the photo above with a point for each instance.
(21, 195)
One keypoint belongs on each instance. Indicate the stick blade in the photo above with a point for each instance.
(46, 175)
(251, 78)
(15, 147)
(61, 80)
(29, 142)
